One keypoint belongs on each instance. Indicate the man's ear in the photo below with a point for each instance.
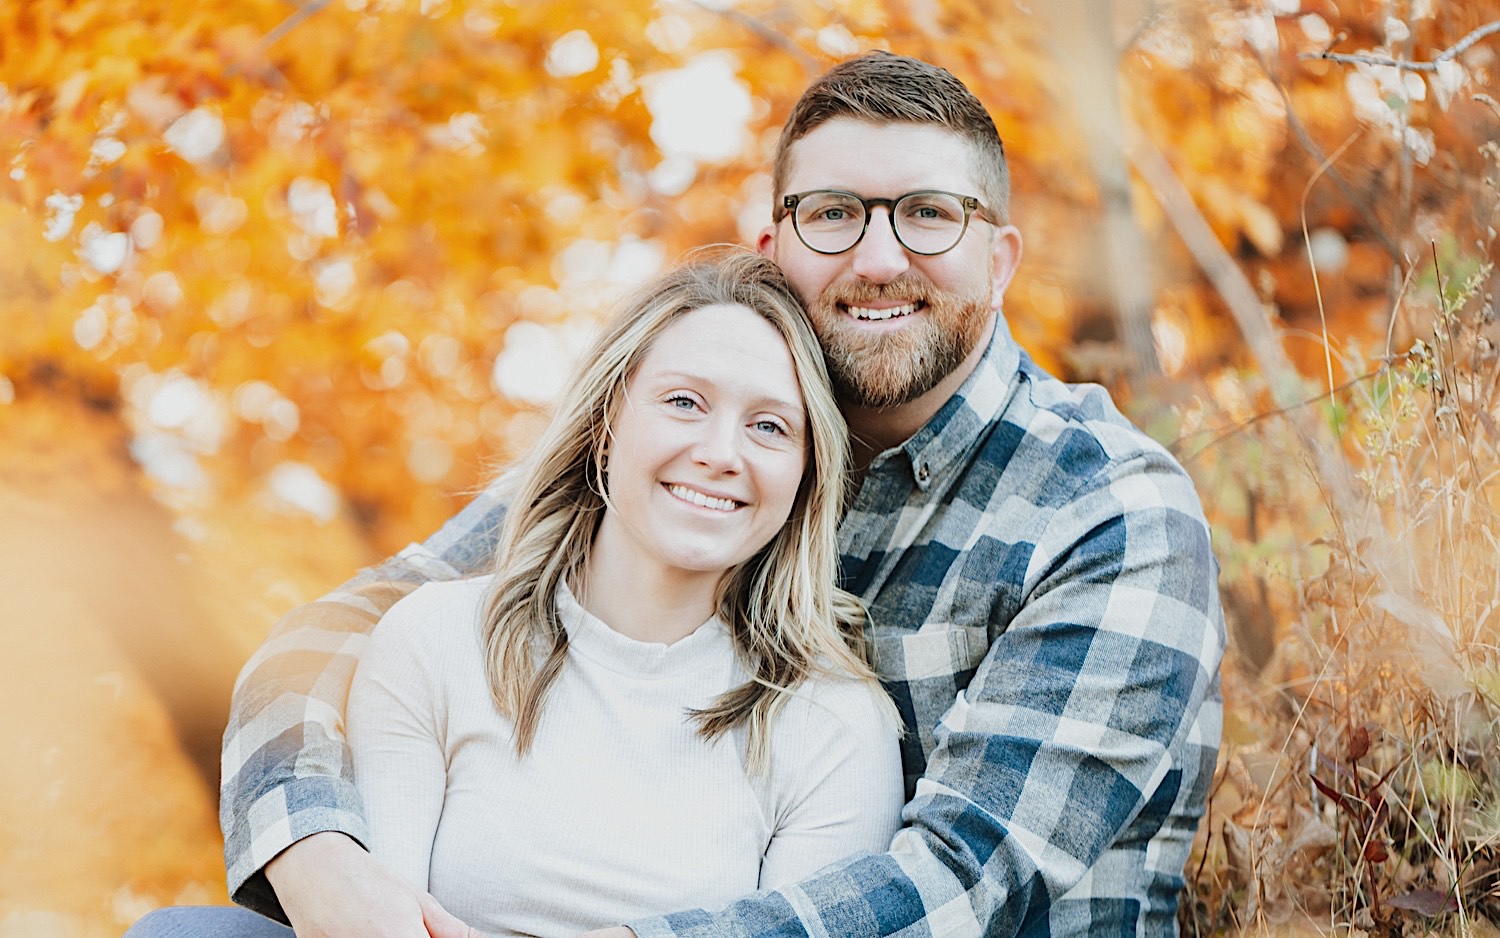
(765, 242)
(1005, 257)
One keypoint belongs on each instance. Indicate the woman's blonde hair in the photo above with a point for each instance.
(787, 618)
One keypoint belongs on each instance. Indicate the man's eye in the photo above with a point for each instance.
(928, 212)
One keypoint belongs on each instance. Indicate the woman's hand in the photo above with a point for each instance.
(330, 887)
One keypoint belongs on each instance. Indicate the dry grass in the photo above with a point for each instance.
(1359, 791)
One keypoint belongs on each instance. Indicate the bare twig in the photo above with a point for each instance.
(1230, 432)
(270, 72)
(1363, 205)
(1390, 329)
(1406, 162)
(1457, 49)
(766, 33)
(291, 22)
(1312, 262)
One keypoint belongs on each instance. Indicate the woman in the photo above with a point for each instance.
(656, 700)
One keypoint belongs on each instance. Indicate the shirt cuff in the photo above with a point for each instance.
(651, 928)
(280, 818)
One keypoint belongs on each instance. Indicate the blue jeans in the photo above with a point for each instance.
(207, 921)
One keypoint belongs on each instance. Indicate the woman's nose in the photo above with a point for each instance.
(718, 446)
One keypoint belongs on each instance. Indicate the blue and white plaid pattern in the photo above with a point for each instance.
(1045, 614)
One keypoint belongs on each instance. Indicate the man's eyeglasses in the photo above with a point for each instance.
(831, 221)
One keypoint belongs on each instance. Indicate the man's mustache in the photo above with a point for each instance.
(903, 290)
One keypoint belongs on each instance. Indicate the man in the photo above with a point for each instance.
(1042, 593)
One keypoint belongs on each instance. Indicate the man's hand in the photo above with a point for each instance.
(330, 887)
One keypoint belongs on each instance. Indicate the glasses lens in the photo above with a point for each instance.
(829, 221)
(929, 222)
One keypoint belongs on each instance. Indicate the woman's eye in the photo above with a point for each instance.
(682, 402)
(769, 426)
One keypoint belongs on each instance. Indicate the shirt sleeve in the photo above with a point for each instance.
(285, 764)
(836, 763)
(400, 770)
(1085, 710)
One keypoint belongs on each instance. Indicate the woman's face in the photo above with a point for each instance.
(707, 448)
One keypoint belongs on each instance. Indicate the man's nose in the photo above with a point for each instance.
(879, 257)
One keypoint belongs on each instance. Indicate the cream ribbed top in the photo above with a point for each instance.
(620, 810)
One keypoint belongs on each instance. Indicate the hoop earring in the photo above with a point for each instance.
(600, 479)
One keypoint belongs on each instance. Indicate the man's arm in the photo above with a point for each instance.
(286, 769)
(1088, 732)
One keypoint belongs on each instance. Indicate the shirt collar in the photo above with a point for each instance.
(958, 424)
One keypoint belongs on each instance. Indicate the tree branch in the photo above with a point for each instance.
(1457, 49)
(270, 72)
(1221, 434)
(766, 33)
(1253, 319)
(291, 22)
(1364, 206)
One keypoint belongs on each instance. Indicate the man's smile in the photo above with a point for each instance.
(873, 314)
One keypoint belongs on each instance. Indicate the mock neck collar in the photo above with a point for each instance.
(592, 638)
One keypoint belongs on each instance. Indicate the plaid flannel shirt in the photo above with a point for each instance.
(1043, 610)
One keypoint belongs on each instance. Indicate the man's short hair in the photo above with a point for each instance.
(882, 88)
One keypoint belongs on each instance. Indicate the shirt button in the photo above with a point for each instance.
(922, 473)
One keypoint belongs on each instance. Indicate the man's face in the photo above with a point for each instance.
(892, 323)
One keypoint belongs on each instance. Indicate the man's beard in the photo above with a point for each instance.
(879, 370)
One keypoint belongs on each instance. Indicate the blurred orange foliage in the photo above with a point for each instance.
(285, 266)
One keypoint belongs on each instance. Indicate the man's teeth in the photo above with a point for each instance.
(703, 501)
(877, 315)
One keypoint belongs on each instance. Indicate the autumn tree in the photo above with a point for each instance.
(294, 275)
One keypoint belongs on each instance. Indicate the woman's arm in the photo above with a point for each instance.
(400, 769)
(836, 776)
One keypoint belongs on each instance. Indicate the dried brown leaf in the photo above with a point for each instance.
(1237, 851)
(1311, 832)
(1428, 902)
(1359, 744)
(1348, 805)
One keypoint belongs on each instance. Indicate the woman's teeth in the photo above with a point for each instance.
(701, 500)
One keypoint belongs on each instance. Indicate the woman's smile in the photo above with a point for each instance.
(703, 499)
